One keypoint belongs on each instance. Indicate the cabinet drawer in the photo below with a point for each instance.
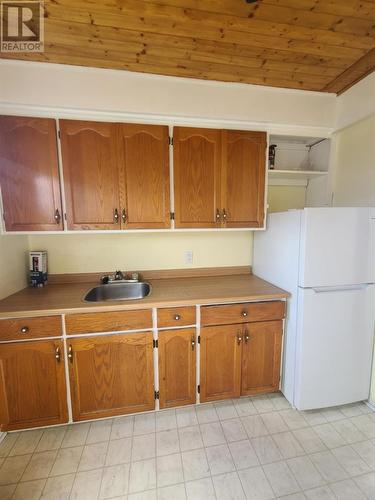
(242, 313)
(30, 328)
(108, 321)
(176, 316)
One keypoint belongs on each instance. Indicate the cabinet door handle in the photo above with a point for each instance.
(70, 354)
(115, 216)
(24, 329)
(57, 354)
(57, 216)
(177, 317)
(193, 344)
(247, 336)
(218, 215)
(124, 216)
(239, 339)
(224, 215)
(244, 314)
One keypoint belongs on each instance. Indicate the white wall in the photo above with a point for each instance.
(356, 103)
(13, 264)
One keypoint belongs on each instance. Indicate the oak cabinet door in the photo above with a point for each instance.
(145, 160)
(111, 375)
(29, 174)
(177, 367)
(91, 174)
(197, 163)
(261, 357)
(220, 366)
(32, 385)
(243, 178)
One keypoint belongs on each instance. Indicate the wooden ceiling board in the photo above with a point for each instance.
(302, 44)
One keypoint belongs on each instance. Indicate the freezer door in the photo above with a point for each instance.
(337, 247)
(335, 330)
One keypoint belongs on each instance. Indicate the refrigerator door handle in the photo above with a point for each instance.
(343, 288)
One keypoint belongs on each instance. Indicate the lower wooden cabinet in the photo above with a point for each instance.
(261, 357)
(220, 364)
(240, 360)
(111, 375)
(177, 365)
(32, 384)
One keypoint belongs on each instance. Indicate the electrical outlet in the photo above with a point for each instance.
(188, 257)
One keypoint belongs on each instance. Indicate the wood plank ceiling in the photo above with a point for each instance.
(319, 45)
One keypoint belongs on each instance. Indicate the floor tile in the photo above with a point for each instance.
(51, 439)
(195, 464)
(186, 416)
(99, 431)
(294, 496)
(144, 447)
(288, 445)
(279, 401)
(115, 481)
(29, 489)
(351, 461)
(281, 478)
(190, 438)
(365, 424)
(328, 466)
(314, 417)
(243, 454)
(58, 488)
(212, 434)
(353, 410)
(93, 456)
(263, 404)
(40, 465)
(254, 426)
(144, 495)
(305, 472)
(169, 470)
(233, 430)
(293, 419)
(206, 413)
(7, 443)
(244, 407)
(75, 435)
(67, 461)
(86, 485)
(266, 449)
(167, 442)
(142, 475)
(166, 420)
(332, 414)
(255, 484)
(228, 487)
(119, 451)
(366, 450)
(219, 459)
(309, 440)
(366, 484)
(274, 423)
(122, 427)
(321, 493)
(330, 437)
(13, 468)
(175, 492)
(201, 489)
(348, 431)
(6, 492)
(347, 490)
(144, 424)
(26, 443)
(225, 410)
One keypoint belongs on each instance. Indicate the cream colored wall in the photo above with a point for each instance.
(354, 182)
(86, 253)
(285, 197)
(13, 259)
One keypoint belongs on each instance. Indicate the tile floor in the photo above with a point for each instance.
(251, 448)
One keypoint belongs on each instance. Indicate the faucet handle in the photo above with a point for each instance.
(119, 275)
(104, 280)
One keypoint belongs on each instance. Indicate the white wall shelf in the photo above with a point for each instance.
(305, 175)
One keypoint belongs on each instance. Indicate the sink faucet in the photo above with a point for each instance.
(119, 275)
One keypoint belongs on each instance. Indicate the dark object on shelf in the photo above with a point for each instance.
(272, 156)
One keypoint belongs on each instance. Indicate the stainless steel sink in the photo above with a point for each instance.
(118, 291)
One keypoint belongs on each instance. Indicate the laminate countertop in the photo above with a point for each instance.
(68, 297)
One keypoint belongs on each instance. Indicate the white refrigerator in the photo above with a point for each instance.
(325, 257)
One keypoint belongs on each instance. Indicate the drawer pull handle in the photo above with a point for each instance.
(244, 314)
(70, 354)
(247, 336)
(57, 354)
(177, 317)
(239, 339)
(24, 329)
(57, 216)
(192, 344)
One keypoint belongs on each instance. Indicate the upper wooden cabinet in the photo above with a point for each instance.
(219, 177)
(145, 182)
(197, 163)
(29, 174)
(91, 174)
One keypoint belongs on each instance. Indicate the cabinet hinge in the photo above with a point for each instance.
(172, 215)
(199, 339)
(171, 141)
(65, 216)
(59, 134)
(199, 389)
(155, 343)
(157, 394)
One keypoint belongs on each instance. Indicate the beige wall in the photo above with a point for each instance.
(285, 197)
(13, 259)
(84, 253)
